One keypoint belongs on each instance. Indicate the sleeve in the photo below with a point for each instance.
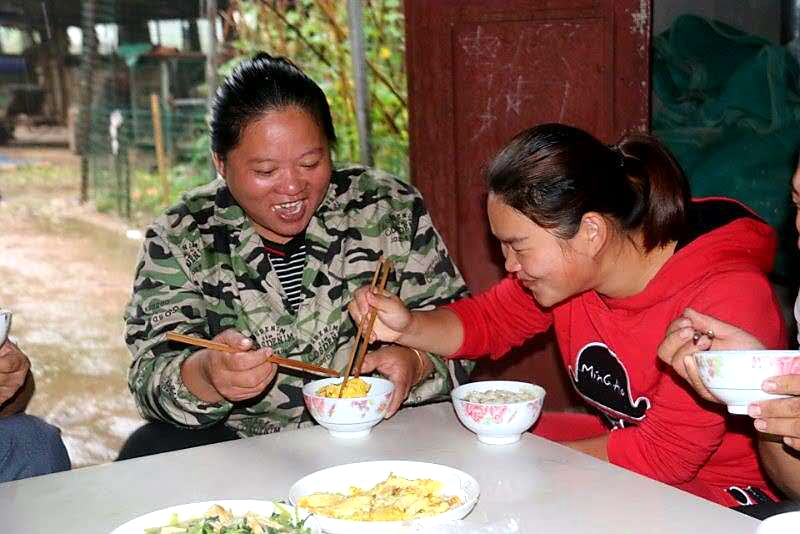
(680, 435)
(430, 279)
(499, 319)
(165, 299)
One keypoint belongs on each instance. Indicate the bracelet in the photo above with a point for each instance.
(421, 366)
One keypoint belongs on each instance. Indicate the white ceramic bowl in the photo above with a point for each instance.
(197, 509)
(365, 475)
(735, 376)
(780, 524)
(498, 424)
(5, 325)
(353, 417)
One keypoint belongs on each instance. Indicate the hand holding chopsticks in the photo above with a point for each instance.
(283, 362)
(363, 335)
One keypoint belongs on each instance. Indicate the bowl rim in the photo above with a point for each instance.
(747, 353)
(367, 396)
(538, 390)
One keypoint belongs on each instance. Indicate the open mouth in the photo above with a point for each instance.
(289, 211)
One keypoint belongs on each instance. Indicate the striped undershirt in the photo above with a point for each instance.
(288, 260)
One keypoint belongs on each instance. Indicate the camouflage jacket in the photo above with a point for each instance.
(199, 275)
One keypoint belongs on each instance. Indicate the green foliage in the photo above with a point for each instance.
(314, 34)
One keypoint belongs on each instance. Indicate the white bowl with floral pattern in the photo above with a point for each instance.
(351, 417)
(494, 421)
(735, 376)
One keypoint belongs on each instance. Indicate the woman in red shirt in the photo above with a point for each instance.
(605, 245)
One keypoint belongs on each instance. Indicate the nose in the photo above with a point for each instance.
(511, 264)
(291, 182)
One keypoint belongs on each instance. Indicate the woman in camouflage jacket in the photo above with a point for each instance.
(266, 259)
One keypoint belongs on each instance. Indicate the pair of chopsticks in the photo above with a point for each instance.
(277, 360)
(368, 320)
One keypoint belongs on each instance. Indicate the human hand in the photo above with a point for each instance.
(779, 416)
(236, 376)
(679, 345)
(400, 366)
(392, 320)
(14, 367)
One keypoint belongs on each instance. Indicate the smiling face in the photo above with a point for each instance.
(552, 269)
(279, 172)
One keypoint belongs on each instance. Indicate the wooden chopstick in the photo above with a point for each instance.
(385, 268)
(277, 360)
(361, 324)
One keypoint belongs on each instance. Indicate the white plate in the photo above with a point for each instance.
(197, 509)
(365, 475)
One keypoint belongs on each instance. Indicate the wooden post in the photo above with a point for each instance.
(211, 63)
(161, 157)
(88, 58)
(359, 60)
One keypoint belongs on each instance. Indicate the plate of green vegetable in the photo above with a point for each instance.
(224, 517)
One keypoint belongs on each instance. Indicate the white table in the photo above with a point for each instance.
(547, 488)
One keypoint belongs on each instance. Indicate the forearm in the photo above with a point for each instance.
(782, 466)
(21, 398)
(438, 331)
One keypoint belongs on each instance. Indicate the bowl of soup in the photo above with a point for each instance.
(498, 411)
(735, 376)
(362, 404)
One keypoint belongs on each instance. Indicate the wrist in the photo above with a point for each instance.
(424, 366)
(197, 379)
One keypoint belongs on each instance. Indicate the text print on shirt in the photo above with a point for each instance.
(602, 380)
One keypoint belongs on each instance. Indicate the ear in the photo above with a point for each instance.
(593, 233)
(219, 164)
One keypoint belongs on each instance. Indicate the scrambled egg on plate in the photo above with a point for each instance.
(394, 499)
(355, 387)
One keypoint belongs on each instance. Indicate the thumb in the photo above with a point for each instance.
(701, 321)
(370, 363)
(235, 339)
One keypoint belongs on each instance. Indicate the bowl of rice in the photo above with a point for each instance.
(498, 411)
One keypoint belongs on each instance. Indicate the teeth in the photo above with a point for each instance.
(288, 205)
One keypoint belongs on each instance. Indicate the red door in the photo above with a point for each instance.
(479, 71)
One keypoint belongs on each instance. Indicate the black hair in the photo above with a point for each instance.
(554, 174)
(256, 86)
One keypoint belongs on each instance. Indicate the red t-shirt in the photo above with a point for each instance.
(663, 430)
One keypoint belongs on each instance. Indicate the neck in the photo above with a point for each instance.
(627, 270)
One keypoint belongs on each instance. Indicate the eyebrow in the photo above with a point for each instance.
(270, 160)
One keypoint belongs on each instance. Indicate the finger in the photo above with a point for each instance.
(792, 442)
(355, 311)
(693, 376)
(672, 343)
(678, 324)
(371, 362)
(255, 378)
(782, 385)
(235, 339)
(385, 303)
(13, 363)
(245, 361)
(781, 408)
(401, 389)
(782, 426)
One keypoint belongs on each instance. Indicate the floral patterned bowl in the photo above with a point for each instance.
(353, 417)
(735, 376)
(498, 424)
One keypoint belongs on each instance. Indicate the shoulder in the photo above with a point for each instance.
(195, 214)
(367, 186)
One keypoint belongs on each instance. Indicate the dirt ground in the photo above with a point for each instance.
(66, 272)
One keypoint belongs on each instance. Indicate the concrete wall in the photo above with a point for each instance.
(760, 17)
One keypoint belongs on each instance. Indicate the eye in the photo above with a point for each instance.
(309, 164)
(265, 172)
